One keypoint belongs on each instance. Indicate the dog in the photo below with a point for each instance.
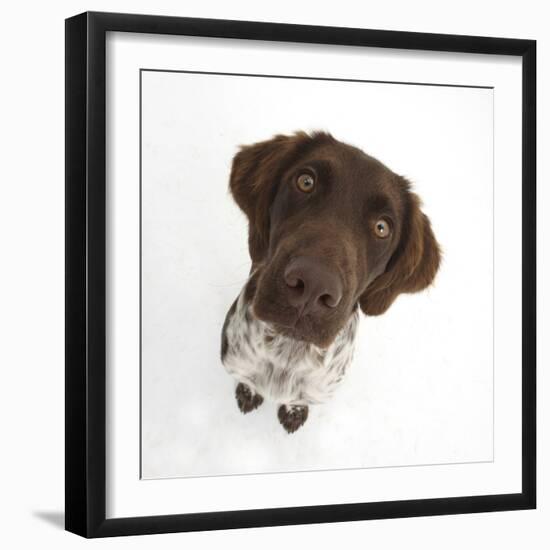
(331, 231)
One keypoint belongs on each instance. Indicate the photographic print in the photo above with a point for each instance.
(300, 274)
(328, 231)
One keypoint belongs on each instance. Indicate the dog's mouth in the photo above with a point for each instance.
(290, 323)
(301, 329)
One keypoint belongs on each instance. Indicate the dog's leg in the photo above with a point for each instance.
(247, 400)
(292, 416)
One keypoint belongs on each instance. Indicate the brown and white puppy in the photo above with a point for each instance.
(331, 229)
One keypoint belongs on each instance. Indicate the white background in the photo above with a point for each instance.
(420, 390)
(31, 236)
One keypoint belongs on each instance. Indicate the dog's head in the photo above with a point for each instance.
(329, 228)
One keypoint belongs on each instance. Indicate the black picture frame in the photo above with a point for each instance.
(85, 491)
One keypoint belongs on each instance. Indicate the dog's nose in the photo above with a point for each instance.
(312, 287)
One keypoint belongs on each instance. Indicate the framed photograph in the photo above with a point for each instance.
(300, 274)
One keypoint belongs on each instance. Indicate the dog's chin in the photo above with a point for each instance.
(305, 335)
(288, 324)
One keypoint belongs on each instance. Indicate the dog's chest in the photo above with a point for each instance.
(280, 368)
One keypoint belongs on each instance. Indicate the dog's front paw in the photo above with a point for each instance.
(292, 416)
(247, 400)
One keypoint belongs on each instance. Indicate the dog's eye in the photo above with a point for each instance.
(305, 183)
(382, 229)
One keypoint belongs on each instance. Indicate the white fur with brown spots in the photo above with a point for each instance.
(279, 368)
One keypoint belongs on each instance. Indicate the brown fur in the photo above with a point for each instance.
(334, 225)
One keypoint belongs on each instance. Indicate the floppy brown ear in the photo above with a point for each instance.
(254, 174)
(413, 265)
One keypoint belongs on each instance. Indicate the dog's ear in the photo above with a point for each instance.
(254, 175)
(414, 263)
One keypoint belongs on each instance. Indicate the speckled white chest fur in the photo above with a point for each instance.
(282, 369)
